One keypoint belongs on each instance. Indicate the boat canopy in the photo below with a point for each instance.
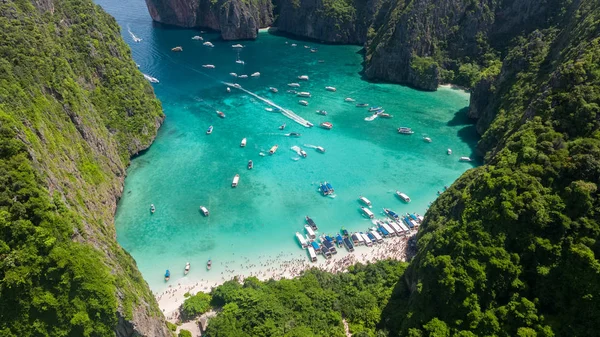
(312, 254)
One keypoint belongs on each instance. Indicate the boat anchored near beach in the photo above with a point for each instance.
(209, 264)
(403, 196)
(187, 269)
(274, 90)
(465, 159)
(303, 77)
(365, 201)
(167, 275)
(368, 212)
(322, 112)
(311, 223)
(152, 209)
(208, 44)
(209, 130)
(209, 66)
(326, 125)
(303, 102)
(303, 94)
(243, 143)
(294, 85)
(405, 131)
(273, 149)
(204, 210)
(326, 188)
(333, 89)
(236, 180)
(250, 164)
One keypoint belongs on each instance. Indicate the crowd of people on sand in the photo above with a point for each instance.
(283, 265)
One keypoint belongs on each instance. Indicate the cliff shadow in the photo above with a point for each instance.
(468, 134)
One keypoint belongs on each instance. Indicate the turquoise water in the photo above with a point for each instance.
(186, 168)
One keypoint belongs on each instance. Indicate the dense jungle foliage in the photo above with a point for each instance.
(73, 109)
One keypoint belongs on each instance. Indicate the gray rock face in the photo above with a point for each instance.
(235, 19)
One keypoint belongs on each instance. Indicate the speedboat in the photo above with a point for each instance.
(237, 46)
(151, 79)
(187, 268)
(293, 134)
(385, 115)
(250, 164)
(240, 62)
(221, 114)
(273, 149)
(305, 46)
(243, 76)
(362, 105)
(371, 109)
(330, 88)
(365, 201)
(403, 196)
(208, 44)
(294, 85)
(256, 74)
(233, 74)
(326, 125)
(273, 89)
(449, 151)
(167, 275)
(176, 49)
(209, 66)
(303, 153)
(197, 37)
(209, 264)
(236, 180)
(304, 94)
(465, 159)
(391, 213)
(427, 139)
(303, 77)
(228, 89)
(204, 210)
(243, 143)
(320, 149)
(303, 102)
(152, 208)
(313, 50)
(282, 126)
(368, 212)
(322, 112)
(210, 130)
(348, 99)
(294, 45)
(405, 131)
(269, 109)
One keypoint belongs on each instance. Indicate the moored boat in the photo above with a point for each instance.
(303, 153)
(272, 89)
(330, 88)
(187, 268)
(385, 115)
(294, 134)
(210, 130)
(243, 143)
(348, 244)
(250, 164)
(197, 37)
(375, 108)
(208, 44)
(362, 105)
(449, 151)
(177, 49)
(348, 99)
(209, 264)
(310, 232)
(220, 114)
(322, 112)
(403, 196)
(209, 66)
(303, 94)
(311, 223)
(365, 201)
(368, 212)
(303, 77)
(326, 125)
(465, 159)
(313, 50)
(390, 213)
(282, 126)
(303, 102)
(294, 85)
(405, 131)
(320, 149)
(236, 180)
(427, 139)
(233, 74)
(339, 240)
(167, 275)
(256, 74)
(152, 208)
(237, 46)
(204, 210)
(312, 254)
(301, 240)
(243, 76)
(273, 149)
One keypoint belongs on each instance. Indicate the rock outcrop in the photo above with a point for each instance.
(235, 19)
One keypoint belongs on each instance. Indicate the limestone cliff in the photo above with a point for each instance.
(73, 109)
(235, 19)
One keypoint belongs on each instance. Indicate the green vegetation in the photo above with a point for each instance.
(196, 305)
(73, 109)
(184, 333)
(311, 305)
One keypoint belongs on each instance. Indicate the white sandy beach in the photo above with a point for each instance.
(281, 266)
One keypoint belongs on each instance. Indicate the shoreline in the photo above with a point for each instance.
(279, 267)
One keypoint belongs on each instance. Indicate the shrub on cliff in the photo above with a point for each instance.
(196, 305)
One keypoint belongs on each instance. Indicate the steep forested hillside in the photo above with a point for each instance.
(73, 109)
(512, 249)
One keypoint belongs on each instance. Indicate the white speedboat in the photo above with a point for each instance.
(465, 159)
(313, 50)
(210, 130)
(322, 112)
(243, 143)
(294, 85)
(233, 74)
(250, 164)
(330, 88)
(449, 151)
(303, 102)
(150, 78)
(256, 74)
(269, 109)
(152, 209)
(228, 89)
(177, 49)
(427, 139)
(272, 89)
(403, 196)
(405, 131)
(197, 37)
(220, 114)
(327, 125)
(204, 210)
(365, 201)
(243, 76)
(237, 46)
(187, 268)
(208, 44)
(236, 180)
(348, 99)
(273, 149)
(368, 212)
(240, 62)
(209, 66)
(303, 153)
(303, 94)
(303, 77)
(320, 149)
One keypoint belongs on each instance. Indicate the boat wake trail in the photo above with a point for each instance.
(296, 149)
(150, 78)
(135, 38)
(288, 113)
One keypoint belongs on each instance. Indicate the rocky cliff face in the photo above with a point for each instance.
(73, 109)
(235, 19)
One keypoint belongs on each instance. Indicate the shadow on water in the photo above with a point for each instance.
(468, 134)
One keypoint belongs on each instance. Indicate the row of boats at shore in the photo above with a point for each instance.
(327, 245)
(186, 270)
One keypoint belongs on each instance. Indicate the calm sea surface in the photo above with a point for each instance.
(186, 168)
